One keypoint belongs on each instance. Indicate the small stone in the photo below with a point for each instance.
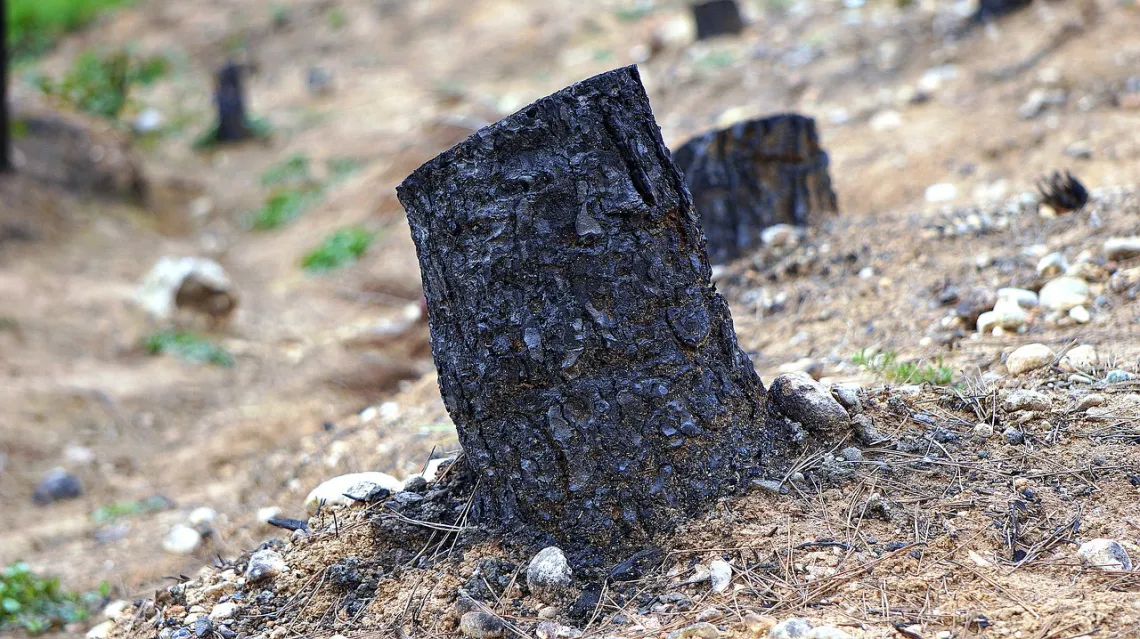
(57, 485)
(865, 430)
(1023, 297)
(848, 396)
(1080, 315)
(1022, 400)
(1052, 264)
(1080, 150)
(223, 611)
(182, 540)
(100, 631)
(186, 283)
(769, 486)
(480, 624)
(758, 624)
(1117, 376)
(702, 630)
(551, 630)
(112, 610)
(790, 629)
(779, 235)
(1121, 248)
(431, 471)
(943, 192)
(983, 430)
(549, 575)
(827, 632)
(886, 121)
(801, 399)
(1064, 293)
(548, 612)
(415, 484)
(852, 454)
(319, 81)
(1106, 554)
(720, 573)
(350, 489)
(265, 564)
(987, 322)
(203, 627)
(1080, 358)
(1091, 400)
(1009, 315)
(1013, 436)
(945, 634)
(148, 121)
(1029, 357)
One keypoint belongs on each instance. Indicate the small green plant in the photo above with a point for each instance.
(336, 18)
(339, 249)
(188, 347)
(634, 14)
(888, 366)
(37, 604)
(294, 169)
(282, 207)
(716, 60)
(340, 168)
(111, 513)
(100, 83)
(35, 25)
(280, 15)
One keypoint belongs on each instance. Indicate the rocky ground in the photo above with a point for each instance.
(963, 510)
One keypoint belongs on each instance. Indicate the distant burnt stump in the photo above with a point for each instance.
(755, 174)
(717, 18)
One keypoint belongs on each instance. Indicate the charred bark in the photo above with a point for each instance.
(5, 124)
(589, 365)
(229, 97)
(716, 18)
(755, 174)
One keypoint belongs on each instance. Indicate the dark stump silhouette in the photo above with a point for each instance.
(752, 175)
(590, 367)
(229, 98)
(717, 18)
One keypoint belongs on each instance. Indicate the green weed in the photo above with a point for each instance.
(888, 366)
(282, 207)
(35, 25)
(294, 169)
(100, 83)
(188, 347)
(38, 604)
(111, 513)
(634, 14)
(336, 18)
(339, 249)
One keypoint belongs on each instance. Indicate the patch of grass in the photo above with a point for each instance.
(188, 347)
(37, 604)
(294, 169)
(634, 14)
(339, 249)
(111, 513)
(282, 207)
(340, 168)
(100, 82)
(35, 25)
(337, 19)
(716, 60)
(888, 366)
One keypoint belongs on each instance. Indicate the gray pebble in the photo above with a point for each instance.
(790, 629)
(801, 399)
(481, 624)
(1014, 436)
(852, 454)
(769, 486)
(1117, 376)
(549, 575)
(57, 485)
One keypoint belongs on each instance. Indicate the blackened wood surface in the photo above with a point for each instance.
(5, 124)
(755, 174)
(229, 97)
(589, 365)
(717, 18)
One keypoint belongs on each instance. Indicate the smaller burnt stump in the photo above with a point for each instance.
(717, 18)
(755, 174)
(229, 97)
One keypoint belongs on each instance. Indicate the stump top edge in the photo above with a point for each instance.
(627, 78)
(808, 120)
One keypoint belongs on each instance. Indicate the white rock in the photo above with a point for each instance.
(1022, 297)
(780, 235)
(1028, 357)
(942, 192)
(983, 430)
(149, 120)
(986, 322)
(223, 611)
(549, 575)
(158, 291)
(720, 573)
(182, 540)
(101, 630)
(802, 399)
(1009, 315)
(1052, 264)
(1080, 315)
(790, 629)
(265, 564)
(112, 610)
(337, 491)
(1091, 400)
(827, 632)
(267, 513)
(202, 519)
(1121, 248)
(1064, 293)
(1106, 554)
(431, 470)
(1081, 358)
(886, 121)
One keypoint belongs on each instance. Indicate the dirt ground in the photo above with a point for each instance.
(318, 390)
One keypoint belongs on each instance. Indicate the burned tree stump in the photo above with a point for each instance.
(5, 123)
(589, 365)
(716, 18)
(755, 174)
(229, 97)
